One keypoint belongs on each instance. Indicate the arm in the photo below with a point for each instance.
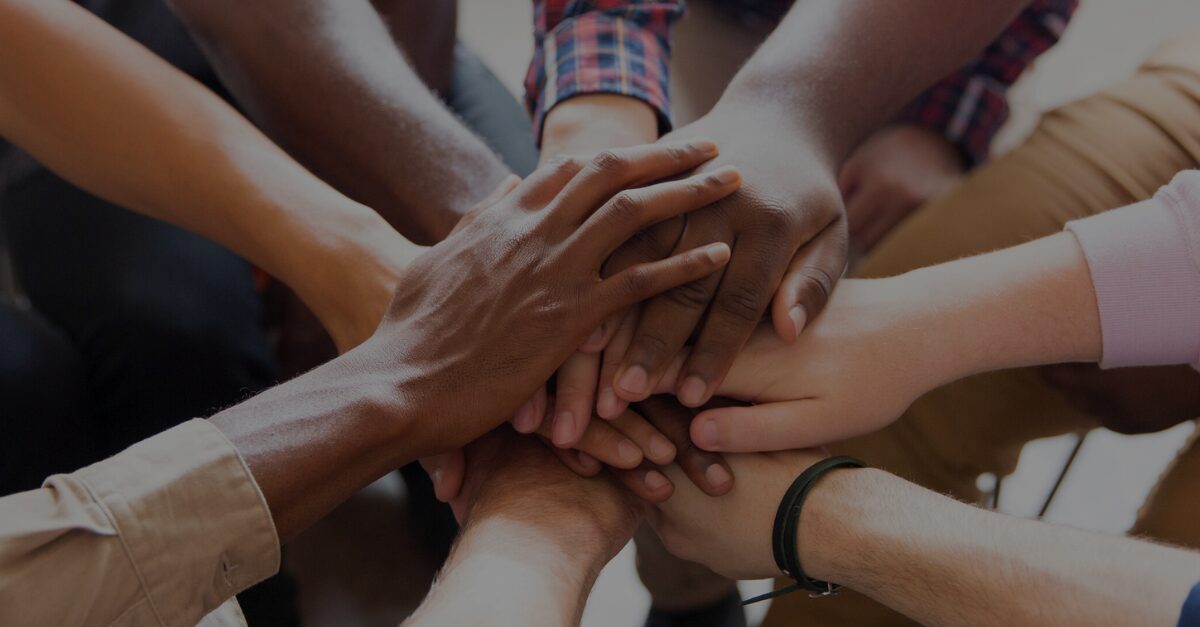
(1121, 288)
(155, 141)
(832, 73)
(934, 559)
(599, 74)
(220, 495)
(535, 537)
(357, 114)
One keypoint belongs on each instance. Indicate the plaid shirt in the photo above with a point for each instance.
(623, 47)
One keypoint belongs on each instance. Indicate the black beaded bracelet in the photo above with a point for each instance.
(787, 520)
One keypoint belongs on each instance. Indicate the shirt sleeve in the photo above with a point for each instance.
(970, 106)
(601, 47)
(1145, 265)
(164, 533)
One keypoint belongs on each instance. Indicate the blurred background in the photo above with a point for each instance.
(359, 567)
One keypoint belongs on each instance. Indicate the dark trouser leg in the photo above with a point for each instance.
(45, 422)
(167, 324)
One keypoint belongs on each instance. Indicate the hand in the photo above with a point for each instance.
(896, 171)
(787, 230)
(1130, 400)
(519, 480)
(857, 368)
(483, 318)
(731, 535)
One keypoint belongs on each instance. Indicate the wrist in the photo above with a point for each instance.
(838, 520)
(588, 124)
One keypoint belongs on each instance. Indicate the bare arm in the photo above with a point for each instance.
(938, 561)
(153, 140)
(906, 335)
(328, 83)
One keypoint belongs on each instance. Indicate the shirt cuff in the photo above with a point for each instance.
(191, 518)
(968, 110)
(1147, 287)
(600, 54)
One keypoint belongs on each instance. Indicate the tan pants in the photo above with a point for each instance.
(1100, 153)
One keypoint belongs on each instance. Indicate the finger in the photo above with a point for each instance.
(608, 404)
(644, 281)
(890, 212)
(646, 482)
(613, 171)
(655, 446)
(771, 427)
(446, 471)
(601, 336)
(545, 184)
(664, 328)
(510, 182)
(809, 281)
(574, 391)
(580, 463)
(707, 470)
(531, 414)
(863, 206)
(744, 294)
(632, 210)
(605, 443)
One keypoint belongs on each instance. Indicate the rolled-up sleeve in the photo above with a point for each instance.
(164, 533)
(601, 47)
(1145, 265)
(970, 106)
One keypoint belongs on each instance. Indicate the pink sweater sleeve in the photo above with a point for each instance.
(1145, 265)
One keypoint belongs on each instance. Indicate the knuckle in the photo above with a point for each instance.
(776, 218)
(625, 207)
(817, 283)
(637, 281)
(678, 153)
(609, 162)
(652, 345)
(694, 295)
(565, 165)
(741, 303)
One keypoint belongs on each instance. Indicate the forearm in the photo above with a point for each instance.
(314, 441)
(942, 562)
(841, 69)
(155, 141)
(506, 572)
(1027, 305)
(331, 86)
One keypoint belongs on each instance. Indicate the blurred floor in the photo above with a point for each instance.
(358, 567)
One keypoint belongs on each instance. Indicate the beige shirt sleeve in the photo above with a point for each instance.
(164, 533)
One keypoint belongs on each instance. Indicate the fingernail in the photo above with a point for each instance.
(717, 253)
(607, 403)
(704, 145)
(564, 424)
(633, 381)
(435, 476)
(523, 421)
(596, 338)
(707, 435)
(655, 480)
(692, 392)
(717, 476)
(727, 175)
(661, 450)
(799, 318)
(628, 452)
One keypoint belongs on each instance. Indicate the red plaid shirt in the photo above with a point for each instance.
(623, 47)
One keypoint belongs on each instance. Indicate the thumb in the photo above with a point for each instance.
(809, 281)
(446, 471)
(769, 427)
